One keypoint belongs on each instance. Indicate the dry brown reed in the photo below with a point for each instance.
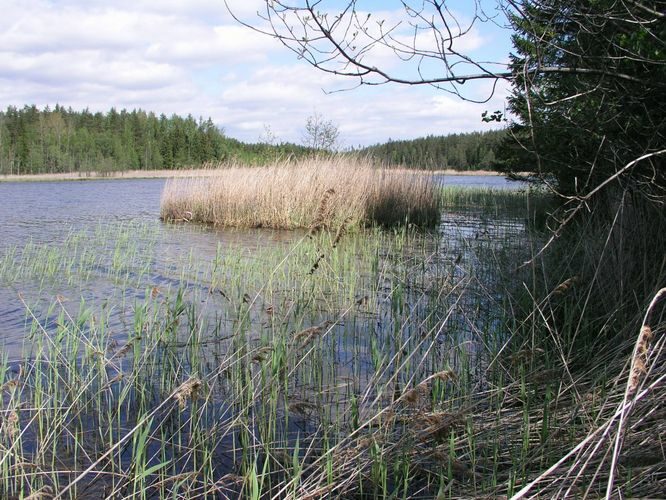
(639, 359)
(342, 230)
(187, 390)
(44, 493)
(313, 193)
(323, 215)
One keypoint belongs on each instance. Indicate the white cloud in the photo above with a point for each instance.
(365, 115)
(86, 66)
(207, 45)
(191, 57)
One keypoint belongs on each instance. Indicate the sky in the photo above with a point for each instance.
(192, 57)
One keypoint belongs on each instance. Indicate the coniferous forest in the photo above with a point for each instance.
(34, 140)
(465, 151)
(54, 140)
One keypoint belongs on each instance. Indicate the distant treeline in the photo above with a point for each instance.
(471, 151)
(63, 140)
(34, 140)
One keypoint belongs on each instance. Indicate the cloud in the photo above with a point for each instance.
(210, 45)
(35, 27)
(192, 58)
(283, 97)
(86, 66)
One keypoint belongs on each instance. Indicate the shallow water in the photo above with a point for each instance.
(479, 181)
(50, 214)
(86, 259)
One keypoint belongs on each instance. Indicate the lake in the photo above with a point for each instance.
(46, 213)
(479, 181)
(238, 350)
(44, 210)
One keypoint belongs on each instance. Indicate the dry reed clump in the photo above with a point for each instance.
(187, 390)
(309, 334)
(315, 193)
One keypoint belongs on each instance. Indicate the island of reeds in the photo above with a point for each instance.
(320, 192)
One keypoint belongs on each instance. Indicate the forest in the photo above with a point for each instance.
(464, 151)
(34, 140)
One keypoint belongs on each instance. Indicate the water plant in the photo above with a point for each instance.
(394, 368)
(314, 192)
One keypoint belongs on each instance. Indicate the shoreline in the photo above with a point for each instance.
(101, 176)
(180, 173)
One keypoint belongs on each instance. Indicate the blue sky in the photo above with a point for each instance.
(172, 56)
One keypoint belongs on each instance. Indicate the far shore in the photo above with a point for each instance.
(166, 174)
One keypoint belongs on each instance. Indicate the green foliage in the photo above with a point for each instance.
(588, 86)
(588, 80)
(472, 151)
(63, 140)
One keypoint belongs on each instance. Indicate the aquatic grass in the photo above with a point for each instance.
(122, 252)
(499, 200)
(167, 342)
(393, 370)
(533, 204)
(325, 192)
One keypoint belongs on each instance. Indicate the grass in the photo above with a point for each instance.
(497, 200)
(250, 376)
(595, 301)
(398, 366)
(316, 192)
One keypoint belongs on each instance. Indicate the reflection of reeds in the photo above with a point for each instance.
(315, 193)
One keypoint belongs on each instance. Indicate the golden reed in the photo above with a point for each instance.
(327, 192)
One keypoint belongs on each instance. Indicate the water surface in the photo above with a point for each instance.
(52, 218)
(88, 271)
(479, 181)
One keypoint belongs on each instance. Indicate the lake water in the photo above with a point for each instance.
(478, 181)
(47, 214)
(44, 210)
(88, 271)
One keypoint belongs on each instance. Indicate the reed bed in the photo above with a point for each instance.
(315, 192)
(499, 200)
(241, 374)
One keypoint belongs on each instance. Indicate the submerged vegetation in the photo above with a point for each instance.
(324, 192)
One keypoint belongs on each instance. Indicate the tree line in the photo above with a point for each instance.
(465, 151)
(34, 140)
